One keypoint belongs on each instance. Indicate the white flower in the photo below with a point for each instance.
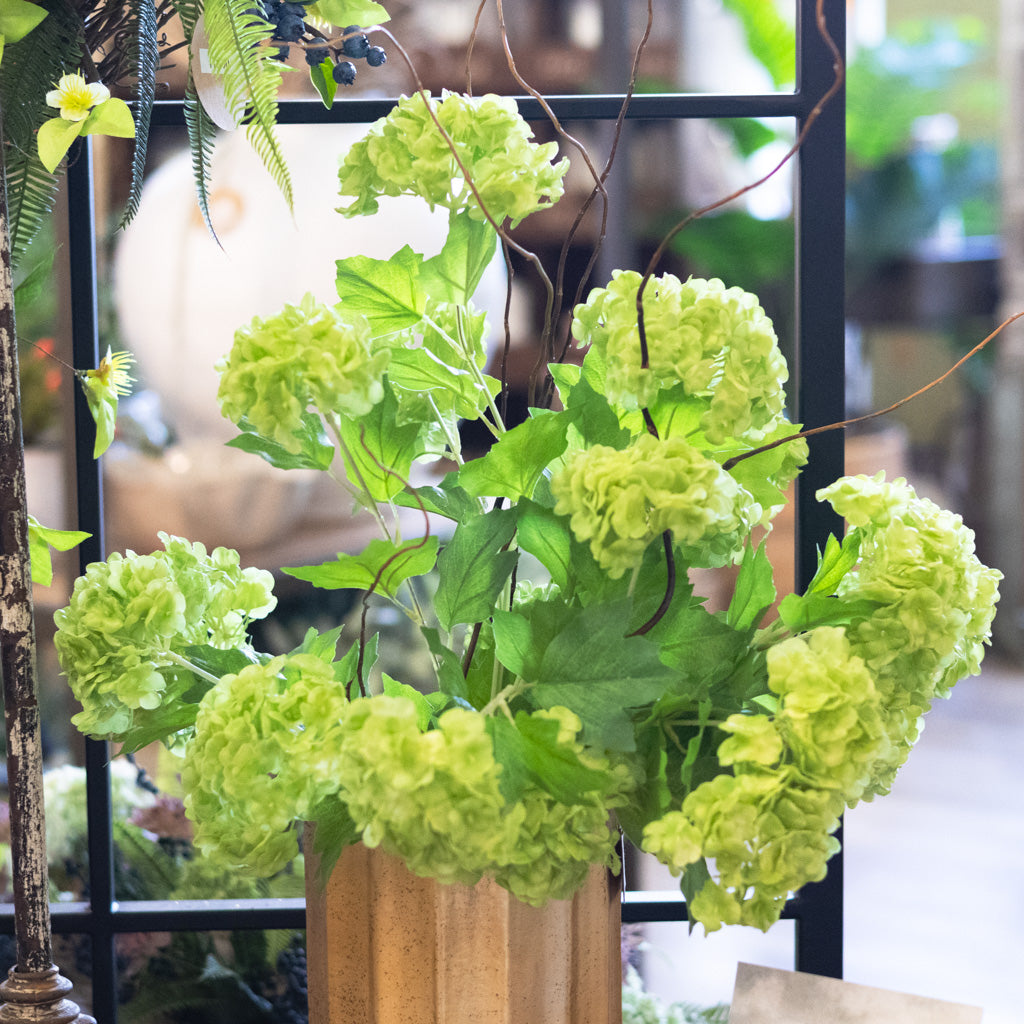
(75, 97)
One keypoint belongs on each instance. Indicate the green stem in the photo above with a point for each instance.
(502, 698)
(177, 659)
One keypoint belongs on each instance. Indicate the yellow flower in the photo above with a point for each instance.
(75, 97)
(112, 373)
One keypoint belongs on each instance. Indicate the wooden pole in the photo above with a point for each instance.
(34, 989)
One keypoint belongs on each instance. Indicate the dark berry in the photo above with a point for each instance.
(316, 55)
(356, 47)
(344, 72)
(376, 56)
(296, 9)
(281, 53)
(290, 28)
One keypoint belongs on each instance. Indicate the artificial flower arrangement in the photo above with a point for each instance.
(581, 687)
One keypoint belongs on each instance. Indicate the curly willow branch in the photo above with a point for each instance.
(729, 463)
(839, 73)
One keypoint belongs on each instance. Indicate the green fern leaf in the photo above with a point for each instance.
(145, 58)
(29, 69)
(201, 133)
(251, 79)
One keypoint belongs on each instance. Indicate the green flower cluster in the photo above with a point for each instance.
(405, 154)
(936, 603)
(129, 616)
(620, 501)
(715, 341)
(266, 750)
(306, 356)
(830, 716)
(767, 832)
(433, 798)
(768, 826)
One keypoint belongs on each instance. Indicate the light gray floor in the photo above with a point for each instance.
(934, 873)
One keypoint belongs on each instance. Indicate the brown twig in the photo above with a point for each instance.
(729, 463)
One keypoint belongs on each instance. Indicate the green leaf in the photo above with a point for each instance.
(251, 79)
(31, 286)
(40, 540)
(378, 450)
(453, 390)
(142, 53)
(322, 77)
(352, 12)
(588, 410)
(545, 536)
(454, 273)
(450, 677)
(450, 501)
(158, 725)
(54, 140)
(216, 661)
(321, 645)
(317, 451)
(838, 559)
(529, 751)
(799, 613)
(424, 711)
(473, 568)
(695, 877)
(102, 401)
(516, 461)
(386, 292)
(18, 18)
(334, 830)
(599, 673)
(382, 565)
(111, 117)
(754, 591)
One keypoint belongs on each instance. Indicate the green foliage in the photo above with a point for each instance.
(585, 684)
(250, 79)
(770, 37)
(28, 71)
(144, 55)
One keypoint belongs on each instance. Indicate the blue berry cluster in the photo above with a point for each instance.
(289, 20)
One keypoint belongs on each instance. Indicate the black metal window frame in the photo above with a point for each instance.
(817, 399)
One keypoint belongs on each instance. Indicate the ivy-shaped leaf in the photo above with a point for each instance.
(386, 292)
(455, 272)
(316, 452)
(40, 540)
(382, 565)
(473, 568)
(516, 461)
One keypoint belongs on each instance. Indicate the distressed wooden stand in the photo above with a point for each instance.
(387, 947)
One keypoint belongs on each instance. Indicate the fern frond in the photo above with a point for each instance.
(145, 56)
(251, 79)
(201, 133)
(29, 69)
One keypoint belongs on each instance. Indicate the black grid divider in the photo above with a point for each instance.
(819, 209)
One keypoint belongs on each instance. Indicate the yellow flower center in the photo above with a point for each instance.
(112, 373)
(75, 97)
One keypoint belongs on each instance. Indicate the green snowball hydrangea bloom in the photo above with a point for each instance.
(127, 615)
(620, 501)
(768, 833)
(266, 751)
(308, 356)
(404, 154)
(830, 715)
(431, 798)
(936, 601)
(715, 341)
